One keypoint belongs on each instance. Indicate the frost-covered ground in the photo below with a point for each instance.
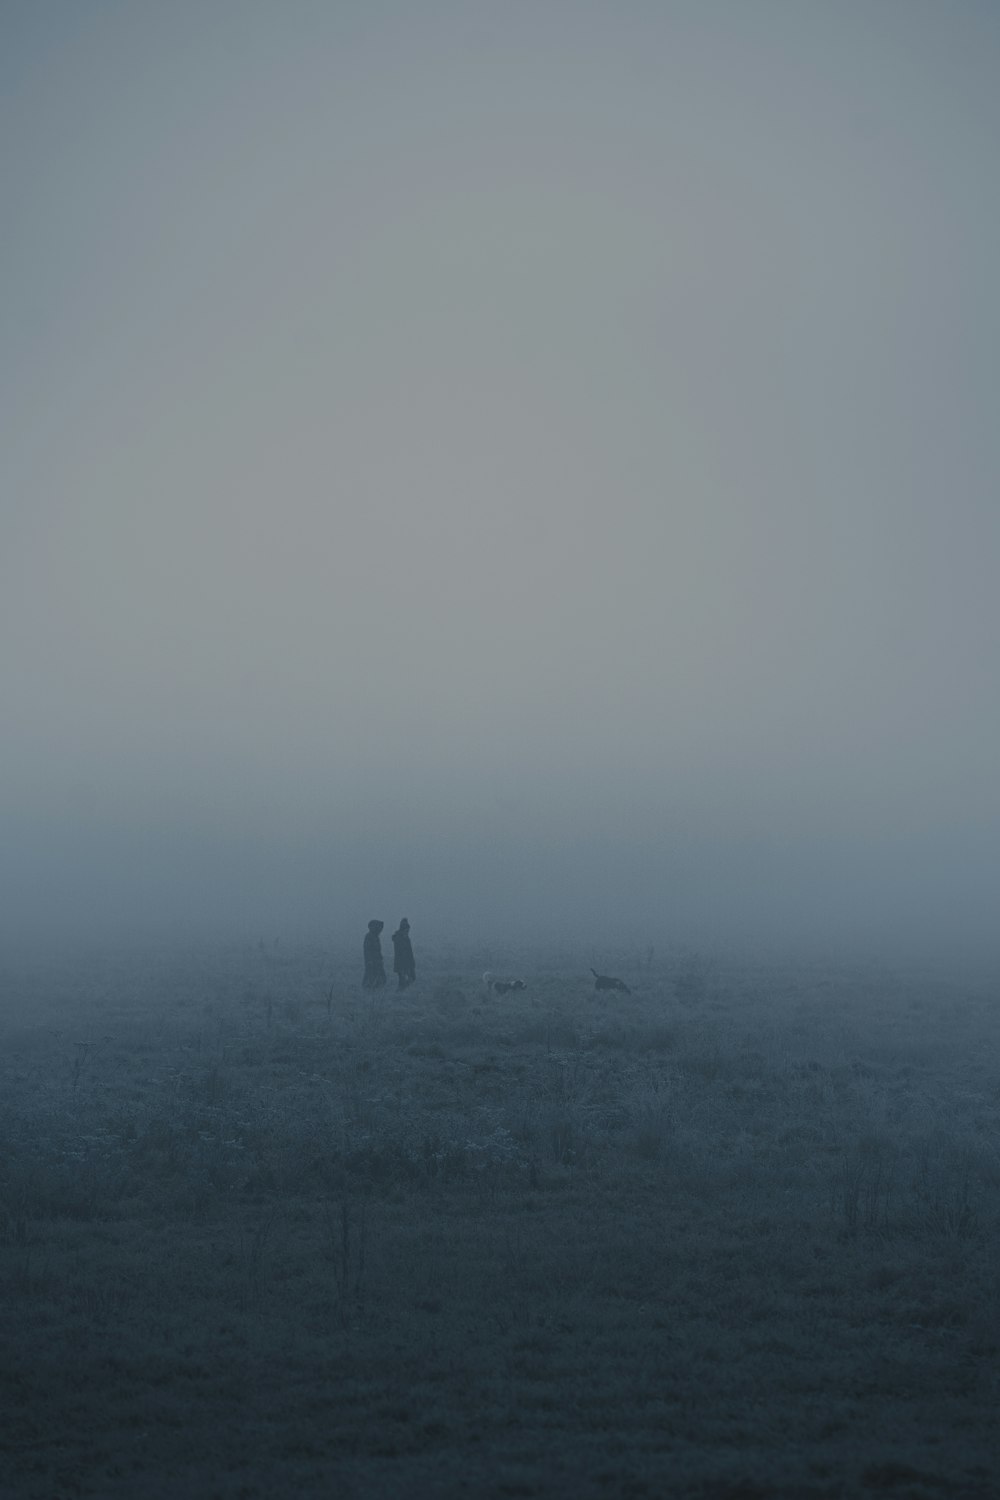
(735, 1234)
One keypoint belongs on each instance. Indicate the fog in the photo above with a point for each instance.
(529, 467)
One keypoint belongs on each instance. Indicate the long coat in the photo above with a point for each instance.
(403, 962)
(374, 967)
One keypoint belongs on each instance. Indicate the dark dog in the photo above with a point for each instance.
(608, 982)
(502, 986)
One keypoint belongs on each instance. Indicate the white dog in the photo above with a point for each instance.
(502, 986)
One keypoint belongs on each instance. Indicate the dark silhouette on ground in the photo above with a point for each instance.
(403, 964)
(374, 967)
(609, 982)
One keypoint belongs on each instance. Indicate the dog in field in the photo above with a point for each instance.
(609, 982)
(502, 986)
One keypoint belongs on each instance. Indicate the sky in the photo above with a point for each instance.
(531, 466)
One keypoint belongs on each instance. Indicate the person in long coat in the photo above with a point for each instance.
(374, 967)
(403, 963)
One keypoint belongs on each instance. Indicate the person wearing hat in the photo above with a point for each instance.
(374, 967)
(402, 955)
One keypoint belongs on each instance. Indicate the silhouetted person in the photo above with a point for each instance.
(374, 967)
(402, 955)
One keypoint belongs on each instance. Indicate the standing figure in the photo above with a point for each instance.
(402, 955)
(374, 967)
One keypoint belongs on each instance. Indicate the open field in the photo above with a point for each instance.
(733, 1235)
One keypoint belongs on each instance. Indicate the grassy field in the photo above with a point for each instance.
(733, 1235)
